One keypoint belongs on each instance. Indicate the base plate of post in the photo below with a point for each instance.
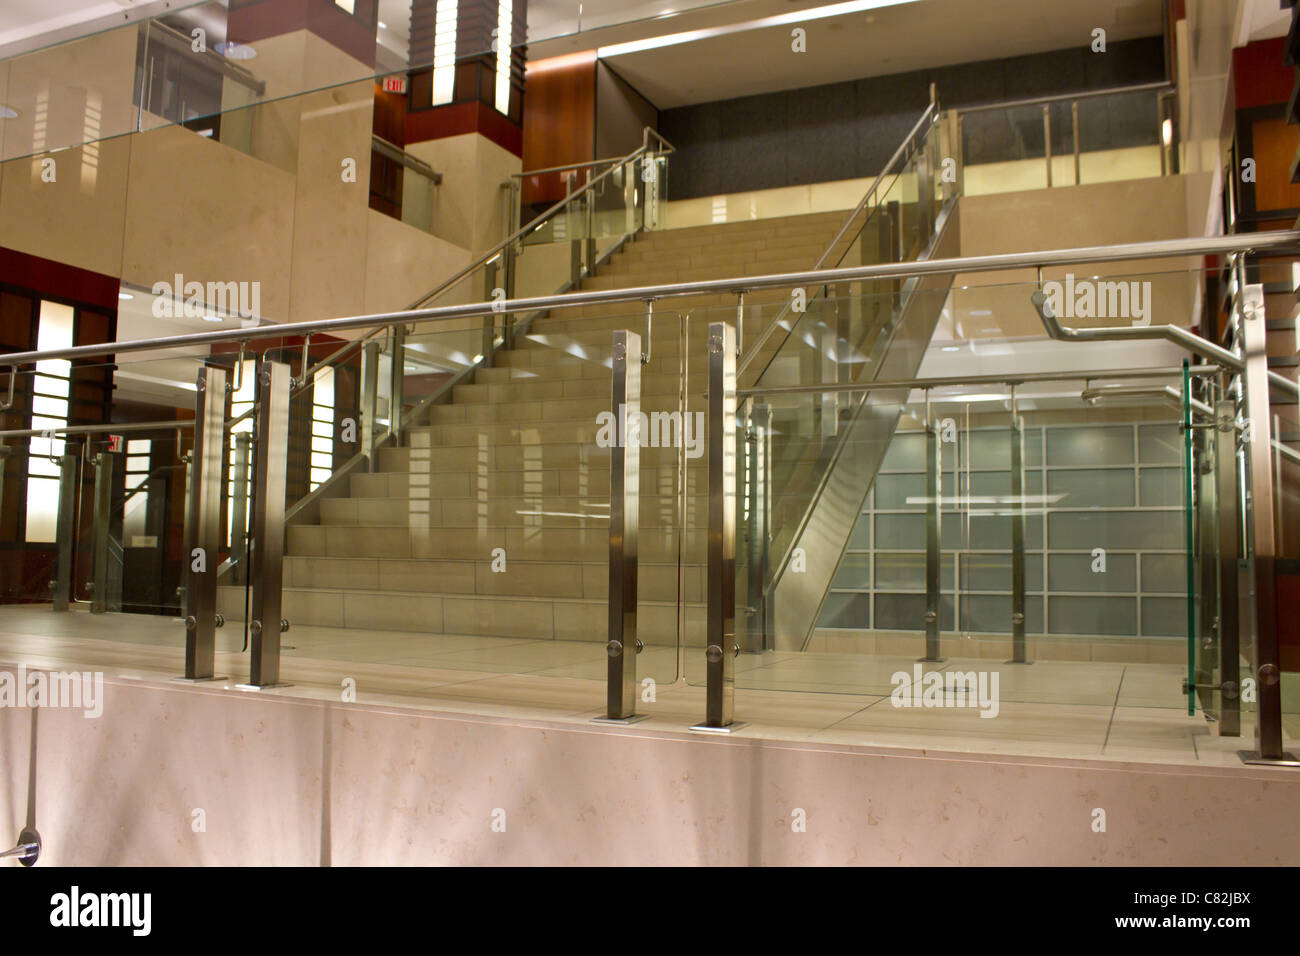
(932, 660)
(1026, 663)
(262, 686)
(1253, 758)
(633, 719)
(199, 680)
(731, 728)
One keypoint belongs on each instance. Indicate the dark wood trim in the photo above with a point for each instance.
(353, 33)
(455, 119)
(58, 282)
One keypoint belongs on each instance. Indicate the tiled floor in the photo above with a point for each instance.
(1127, 712)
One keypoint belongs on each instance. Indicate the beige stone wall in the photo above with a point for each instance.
(275, 211)
(469, 208)
(1095, 214)
(300, 782)
(68, 94)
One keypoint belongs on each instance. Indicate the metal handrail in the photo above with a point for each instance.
(106, 427)
(1022, 378)
(1067, 97)
(1001, 262)
(399, 155)
(567, 166)
(343, 350)
(224, 65)
(1179, 336)
(537, 221)
(928, 117)
(1175, 397)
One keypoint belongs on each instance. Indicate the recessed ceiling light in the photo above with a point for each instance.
(383, 25)
(797, 17)
(125, 295)
(8, 112)
(235, 51)
(951, 348)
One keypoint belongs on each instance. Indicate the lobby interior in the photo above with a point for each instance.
(389, 567)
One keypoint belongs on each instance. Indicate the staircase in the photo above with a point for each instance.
(512, 463)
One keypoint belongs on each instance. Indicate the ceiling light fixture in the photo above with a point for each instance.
(235, 51)
(8, 112)
(782, 19)
(125, 295)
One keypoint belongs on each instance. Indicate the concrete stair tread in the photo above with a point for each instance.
(530, 598)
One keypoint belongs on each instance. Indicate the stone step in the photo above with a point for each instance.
(750, 232)
(527, 543)
(657, 395)
(686, 265)
(597, 332)
(660, 507)
(558, 388)
(655, 582)
(702, 307)
(511, 457)
(574, 367)
(571, 482)
(536, 618)
(540, 512)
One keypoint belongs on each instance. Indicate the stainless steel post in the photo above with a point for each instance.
(933, 470)
(1267, 662)
(1074, 122)
(1229, 566)
(508, 283)
(187, 537)
(924, 195)
(624, 507)
(1205, 536)
(65, 531)
(489, 321)
(369, 401)
(758, 502)
(1018, 650)
(1047, 140)
(397, 373)
(4, 457)
(270, 480)
(720, 636)
(204, 518)
(590, 239)
(239, 508)
(101, 535)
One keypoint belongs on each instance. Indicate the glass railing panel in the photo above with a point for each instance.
(191, 67)
(1100, 482)
(1120, 137)
(481, 543)
(1104, 580)
(1125, 134)
(1003, 150)
(418, 190)
(125, 530)
(897, 224)
(1286, 520)
(46, 491)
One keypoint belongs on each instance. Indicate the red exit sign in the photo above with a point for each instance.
(394, 84)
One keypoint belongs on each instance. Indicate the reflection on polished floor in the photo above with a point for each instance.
(1108, 711)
